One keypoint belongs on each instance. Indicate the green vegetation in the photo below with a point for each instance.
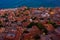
(26, 31)
(39, 26)
(4, 16)
(30, 25)
(36, 37)
(33, 18)
(41, 18)
(53, 23)
(1, 24)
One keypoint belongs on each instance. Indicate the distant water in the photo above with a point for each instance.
(29, 3)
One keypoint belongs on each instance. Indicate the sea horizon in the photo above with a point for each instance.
(5, 4)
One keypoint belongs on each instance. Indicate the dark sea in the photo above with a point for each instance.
(29, 3)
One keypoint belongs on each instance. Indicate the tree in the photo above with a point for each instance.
(53, 23)
(39, 26)
(42, 28)
(36, 37)
(1, 24)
